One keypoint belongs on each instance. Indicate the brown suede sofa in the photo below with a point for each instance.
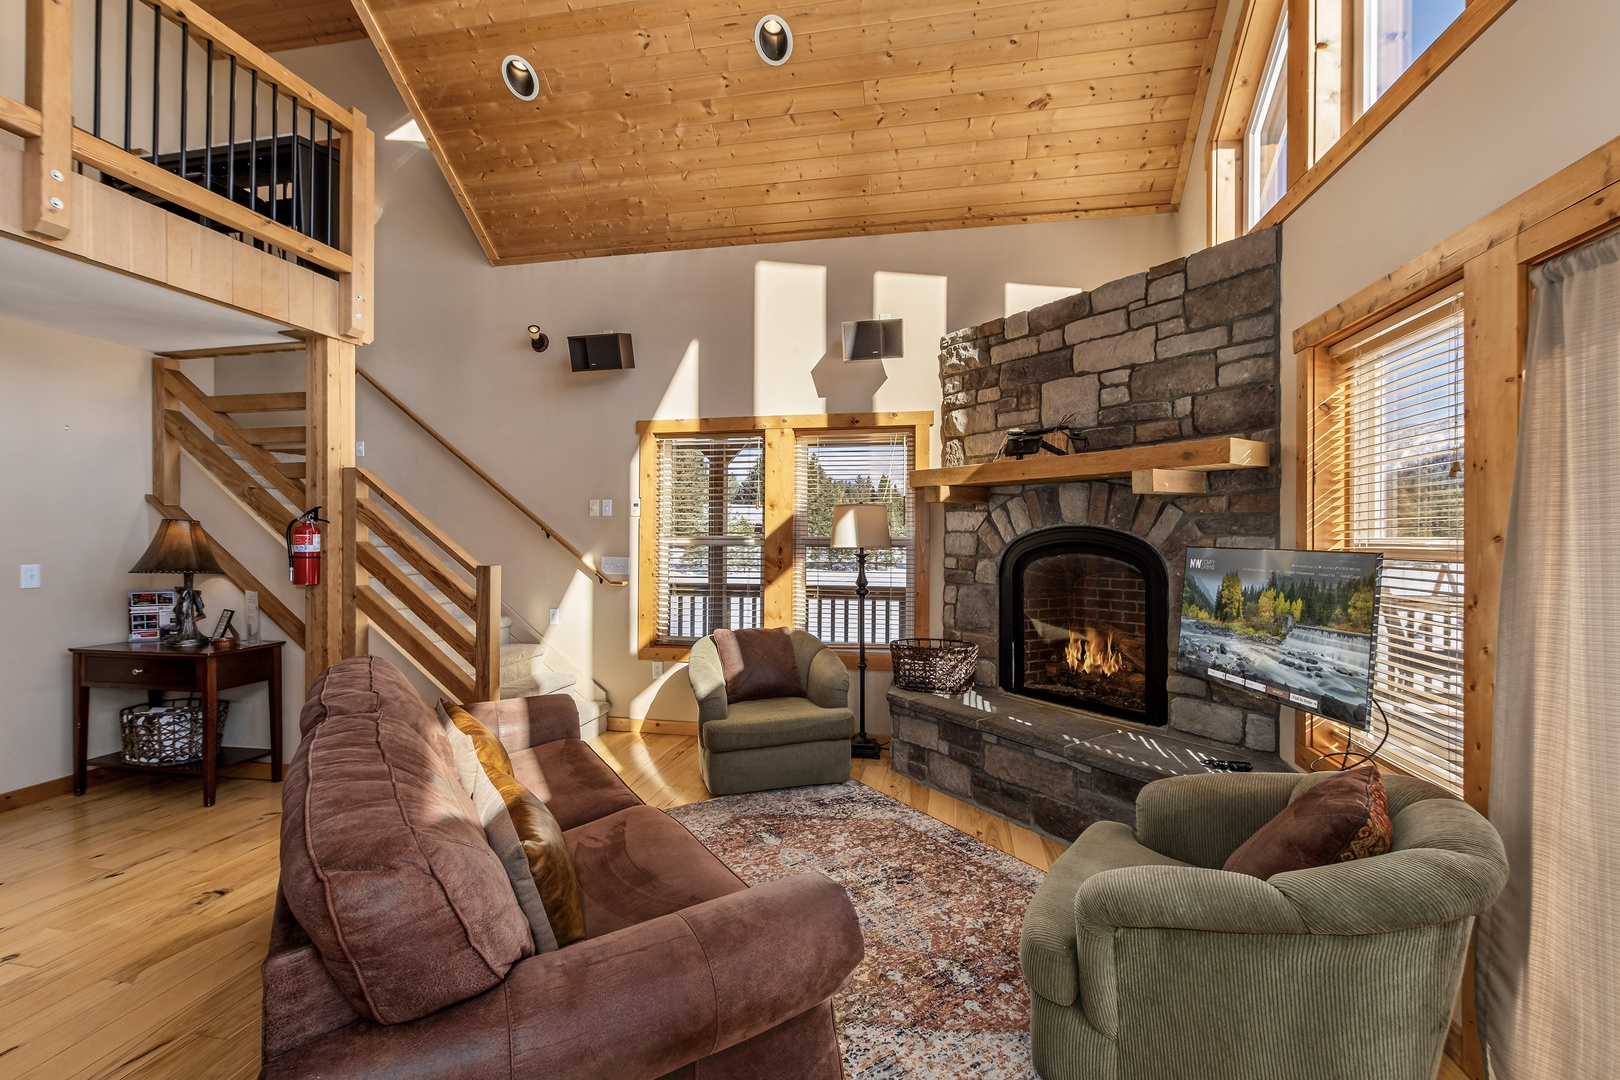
(398, 949)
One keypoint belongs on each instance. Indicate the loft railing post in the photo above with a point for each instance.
(47, 193)
(356, 227)
(487, 639)
(165, 449)
(328, 450)
(356, 627)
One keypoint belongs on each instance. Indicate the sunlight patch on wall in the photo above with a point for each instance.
(680, 400)
(790, 336)
(1022, 297)
(919, 299)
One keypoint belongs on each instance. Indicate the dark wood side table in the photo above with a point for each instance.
(160, 669)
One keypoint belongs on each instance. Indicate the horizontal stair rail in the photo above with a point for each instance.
(517, 504)
(465, 661)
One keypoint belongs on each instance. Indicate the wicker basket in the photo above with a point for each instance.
(933, 665)
(167, 734)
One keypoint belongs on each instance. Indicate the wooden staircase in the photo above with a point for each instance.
(432, 600)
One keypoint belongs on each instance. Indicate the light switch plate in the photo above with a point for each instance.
(360, 448)
(607, 507)
(555, 617)
(30, 576)
(616, 564)
(596, 508)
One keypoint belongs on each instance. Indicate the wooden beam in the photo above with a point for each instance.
(165, 450)
(1298, 65)
(244, 579)
(777, 555)
(356, 628)
(159, 181)
(329, 449)
(733, 424)
(47, 195)
(257, 403)
(1169, 482)
(234, 350)
(1199, 454)
(957, 494)
(647, 545)
(356, 230)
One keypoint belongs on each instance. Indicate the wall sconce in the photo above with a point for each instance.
(873, 339)
(773, 40)
(538, 341)
(520, 78)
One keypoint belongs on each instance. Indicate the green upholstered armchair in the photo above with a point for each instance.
(777, 742)
(1145, 961)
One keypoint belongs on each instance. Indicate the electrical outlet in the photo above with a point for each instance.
(556, 619)
(635, 507)
(658, 669)
(596, 508)
(30, 576)
(607, 507)
(360, 448)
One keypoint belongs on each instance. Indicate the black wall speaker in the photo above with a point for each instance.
(872, 339)
(600, 352)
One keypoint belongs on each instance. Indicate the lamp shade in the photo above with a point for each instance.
(180, 547)
(861, 525)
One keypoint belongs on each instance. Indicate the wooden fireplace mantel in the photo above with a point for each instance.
(1177, 468)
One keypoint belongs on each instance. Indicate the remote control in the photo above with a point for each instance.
(1228, 766)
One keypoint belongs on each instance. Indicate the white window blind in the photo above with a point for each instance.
(846, 468)
(1402, 387)
(711, 519)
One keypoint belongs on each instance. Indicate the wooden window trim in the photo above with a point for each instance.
(780, 434)
(1492, 258)
(1324, 130)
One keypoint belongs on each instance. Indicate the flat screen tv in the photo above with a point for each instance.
(1293, 626)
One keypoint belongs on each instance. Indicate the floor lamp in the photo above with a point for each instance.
(861, 526)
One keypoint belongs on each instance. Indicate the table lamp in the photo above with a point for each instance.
(861, 526)
(181, 547)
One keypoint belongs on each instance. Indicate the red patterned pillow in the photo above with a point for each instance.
(1342, 818)
(758, 664)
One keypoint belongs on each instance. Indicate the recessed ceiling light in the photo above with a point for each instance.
(774, 40)
(520, 78)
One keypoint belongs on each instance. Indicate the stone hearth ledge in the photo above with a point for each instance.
(1045, 767)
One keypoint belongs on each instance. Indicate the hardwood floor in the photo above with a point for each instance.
(133, 921)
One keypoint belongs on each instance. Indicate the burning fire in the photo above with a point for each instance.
(1093, 653)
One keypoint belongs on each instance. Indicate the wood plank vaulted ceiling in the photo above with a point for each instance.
(659, 127)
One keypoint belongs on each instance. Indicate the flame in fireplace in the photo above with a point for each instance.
(1093, 653)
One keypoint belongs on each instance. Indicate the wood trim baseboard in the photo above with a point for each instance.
(63, 785)
(652, 727)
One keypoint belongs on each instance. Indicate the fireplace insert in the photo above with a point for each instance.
(1085, 621)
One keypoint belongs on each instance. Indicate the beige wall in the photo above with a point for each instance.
(719, 332)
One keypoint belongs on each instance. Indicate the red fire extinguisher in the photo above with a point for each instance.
(304, 549)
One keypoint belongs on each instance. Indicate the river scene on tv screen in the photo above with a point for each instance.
(1295, 626)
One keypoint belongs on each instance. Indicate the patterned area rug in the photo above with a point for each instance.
(940, 993)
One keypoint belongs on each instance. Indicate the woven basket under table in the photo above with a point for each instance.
(168, 734)
(933, 665)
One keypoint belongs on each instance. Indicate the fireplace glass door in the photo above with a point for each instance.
(1085, 618)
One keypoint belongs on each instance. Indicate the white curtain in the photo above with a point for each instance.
(1548, 956)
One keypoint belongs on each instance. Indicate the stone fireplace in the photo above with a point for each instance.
(1072, 590)
(1083, 621)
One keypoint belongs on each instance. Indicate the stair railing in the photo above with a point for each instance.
(468, 666)
(550, 533)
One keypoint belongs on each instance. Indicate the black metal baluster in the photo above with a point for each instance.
(309, 184)
(329, 183)
(253, 143)
(297, 206)
(95, 112)
(208, 122)
(129, 54)
(230, 161)
(185, 90)
(157, 73)
(275, 138)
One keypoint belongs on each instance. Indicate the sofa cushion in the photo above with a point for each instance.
(549, 862)
(1343, 818)
(752, 724)
(491, 754)
(758, 664)
(502, 836)
(380, 846)
(575, 784)
(639, 864)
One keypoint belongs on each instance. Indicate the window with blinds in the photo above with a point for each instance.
(835, 468)
(1401, 386)
(711, 523)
